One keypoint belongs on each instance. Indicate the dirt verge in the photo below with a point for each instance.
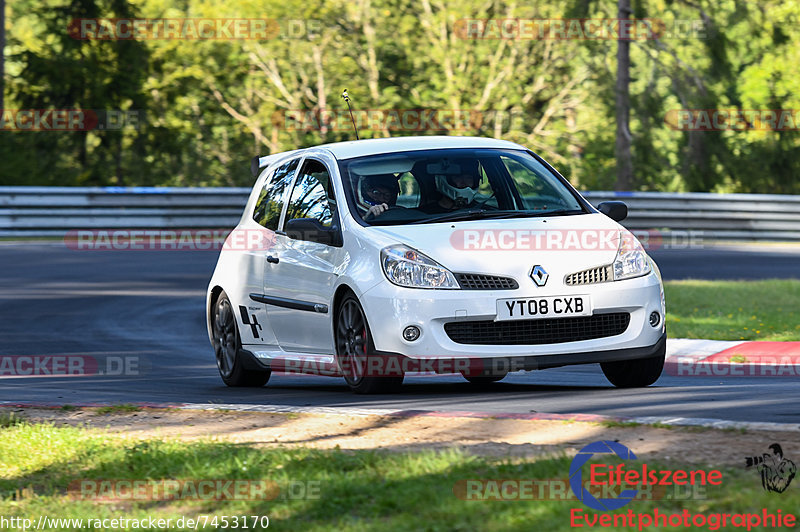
(483, 436)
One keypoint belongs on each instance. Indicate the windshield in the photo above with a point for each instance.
(430, 186)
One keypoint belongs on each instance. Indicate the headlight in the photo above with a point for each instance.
(631, 259)
(407, 267)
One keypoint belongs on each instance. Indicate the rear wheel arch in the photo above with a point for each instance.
(233, 367)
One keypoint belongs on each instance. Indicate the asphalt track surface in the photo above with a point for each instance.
(148, 307)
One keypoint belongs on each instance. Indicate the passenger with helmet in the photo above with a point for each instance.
(379, 193)
(457, 190)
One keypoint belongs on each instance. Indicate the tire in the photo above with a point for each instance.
(227, 347)
(635, 373)
(355, 348)
(484, 380)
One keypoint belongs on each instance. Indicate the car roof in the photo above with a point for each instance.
(360, 148)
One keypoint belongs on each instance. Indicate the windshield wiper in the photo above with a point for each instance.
(539, 214)
(455, 216)
(484, 213)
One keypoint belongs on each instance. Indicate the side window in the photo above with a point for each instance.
(485, 186)
(409, 191)
(539, 189)
(312, 195)
(270, 200)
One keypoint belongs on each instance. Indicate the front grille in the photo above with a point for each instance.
(601, 274)
(536, 332)
(475, 281)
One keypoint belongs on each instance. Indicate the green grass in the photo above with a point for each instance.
(734, 310)
(612, 424)
(358, 490)
(9, 419)
(117, 409)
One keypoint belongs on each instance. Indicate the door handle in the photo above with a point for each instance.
(273, 260)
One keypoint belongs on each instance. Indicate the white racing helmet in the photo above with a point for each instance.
(445, 182)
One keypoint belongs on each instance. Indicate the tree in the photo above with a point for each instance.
(622, 147)
(67, 73)
(2, 53)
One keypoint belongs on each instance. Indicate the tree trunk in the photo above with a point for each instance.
(2, 53)
(622, 148)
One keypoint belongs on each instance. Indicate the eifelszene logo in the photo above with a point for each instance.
(776, 471)
(576, 476)
(607, 476)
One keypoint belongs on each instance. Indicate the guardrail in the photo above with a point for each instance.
(712, 216)
(52, 211)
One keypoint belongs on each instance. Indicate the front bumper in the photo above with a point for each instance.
(488, 366)
(502, 365)
(390, 309)
(498, 365)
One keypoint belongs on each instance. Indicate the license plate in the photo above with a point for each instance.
(543, 307)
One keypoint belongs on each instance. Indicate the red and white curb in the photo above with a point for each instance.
(697, 349)
(712, 358)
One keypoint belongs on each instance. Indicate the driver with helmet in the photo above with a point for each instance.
(457, 190)
(379, 193)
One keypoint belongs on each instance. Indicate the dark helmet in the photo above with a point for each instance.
(386, 181)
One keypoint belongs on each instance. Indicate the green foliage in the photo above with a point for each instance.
(733, 310)
(124, 408)
(207, 106)
(9, 420)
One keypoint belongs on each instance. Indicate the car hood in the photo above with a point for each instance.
(560, 244)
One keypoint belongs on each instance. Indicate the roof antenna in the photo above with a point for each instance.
(346, 98)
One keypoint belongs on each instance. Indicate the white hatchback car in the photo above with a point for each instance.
(380, 257)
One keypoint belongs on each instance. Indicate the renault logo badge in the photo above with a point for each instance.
(539, 275)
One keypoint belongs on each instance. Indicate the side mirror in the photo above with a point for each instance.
(311, 230)
(616, 210)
